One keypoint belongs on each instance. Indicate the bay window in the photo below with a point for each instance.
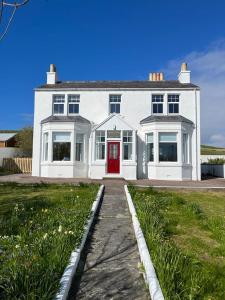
(58, 104)
(61, 146)
(150, 147)
(168, 147)
(79, 147)
(100, 144)
(127, 144)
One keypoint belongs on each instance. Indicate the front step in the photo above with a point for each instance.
(113, 178)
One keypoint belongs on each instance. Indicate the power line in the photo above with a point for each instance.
(15, 6)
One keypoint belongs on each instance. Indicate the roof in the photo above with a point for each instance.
(144, 84)
(7, 136)
(76, 119)
(157, 118)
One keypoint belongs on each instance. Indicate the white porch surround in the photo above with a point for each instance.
(128, 168)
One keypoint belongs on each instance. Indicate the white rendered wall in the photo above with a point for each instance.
(135, 106)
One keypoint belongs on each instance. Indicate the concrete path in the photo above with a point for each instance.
(112, 266)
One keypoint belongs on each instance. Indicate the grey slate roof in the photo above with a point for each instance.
(7, 136)
(76, 119)
(157, 118)
(144, 84)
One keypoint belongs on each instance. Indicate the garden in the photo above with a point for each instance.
(184, 231)
(40, 225)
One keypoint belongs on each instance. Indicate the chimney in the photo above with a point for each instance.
(52, 75)
(156, 76)
(184, 76)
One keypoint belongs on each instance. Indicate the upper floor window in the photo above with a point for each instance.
(73, 104)
(173, 104)
(157, 104)
(114, 104)
(58, 104)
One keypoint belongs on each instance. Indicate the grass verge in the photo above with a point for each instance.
(40, 225)
(185, 235)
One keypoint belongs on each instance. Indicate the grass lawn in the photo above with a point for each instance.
(40, 225)
(210, 150)
(185, 232)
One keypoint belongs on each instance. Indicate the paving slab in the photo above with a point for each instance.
(112, 267)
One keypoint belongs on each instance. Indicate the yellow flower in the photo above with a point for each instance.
(60, 228)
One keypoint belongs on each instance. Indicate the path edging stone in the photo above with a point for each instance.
(66, 279)
(150, 275)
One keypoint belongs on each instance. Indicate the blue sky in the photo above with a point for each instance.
(91, 40)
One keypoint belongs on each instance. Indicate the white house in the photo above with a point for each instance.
(129, 129)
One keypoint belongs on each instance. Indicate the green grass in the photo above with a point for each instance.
(210, 150)
(184, 231)
(40, 225)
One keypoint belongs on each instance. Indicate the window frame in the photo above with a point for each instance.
(157, 103)
(185, 149)
(173, 103)
(168, 142)
(45, 151)
(99, 143)
(81, 155)
(116, 102)
(128, 142)
(147, 151)
(75, 102)
(70, 141)
(59, 103)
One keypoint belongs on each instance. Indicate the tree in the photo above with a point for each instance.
(24, 140)
(13, 7)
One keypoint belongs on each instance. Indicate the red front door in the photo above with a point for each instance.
(113, 157)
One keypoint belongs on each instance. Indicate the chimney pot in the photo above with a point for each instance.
(52, 68)
(184, 66)
(156, 76)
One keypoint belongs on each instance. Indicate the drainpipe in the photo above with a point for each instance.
(197, 146)
(40, 152)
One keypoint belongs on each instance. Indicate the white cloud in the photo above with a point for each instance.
(218, 139)
(208, 71)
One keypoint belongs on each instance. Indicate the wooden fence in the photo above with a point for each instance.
(18, 164)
